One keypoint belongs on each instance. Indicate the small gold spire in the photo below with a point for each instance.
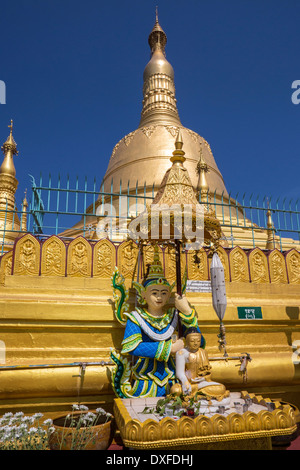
(201, 165)
(178, 154)
(202, 169)
(269, 219)
(270, 230)
(24, 213)
(8, 186)
(179, 141)
(25, 203)
(9, 148)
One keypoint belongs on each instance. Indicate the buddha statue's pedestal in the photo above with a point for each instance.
(248, 422)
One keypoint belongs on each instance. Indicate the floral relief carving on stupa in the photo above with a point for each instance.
(239, 270)
(293, 266)
(53, 262)
(104, 259)
(27, 256)
(258, 266)
(79, 258)
(277, 267)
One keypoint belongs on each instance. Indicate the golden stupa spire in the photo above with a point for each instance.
(8, 186)
(9, 149)
(159, 103)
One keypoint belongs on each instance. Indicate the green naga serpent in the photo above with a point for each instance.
(145, 365)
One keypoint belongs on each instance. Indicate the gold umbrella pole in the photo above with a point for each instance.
(178, 280)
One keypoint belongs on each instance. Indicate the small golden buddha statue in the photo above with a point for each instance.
(193, 370)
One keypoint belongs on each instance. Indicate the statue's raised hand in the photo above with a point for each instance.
(181, 303)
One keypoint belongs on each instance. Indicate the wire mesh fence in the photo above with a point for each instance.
(65, 207)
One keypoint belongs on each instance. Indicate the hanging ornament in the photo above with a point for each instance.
(219, 296)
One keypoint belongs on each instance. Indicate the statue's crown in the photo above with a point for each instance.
(155, 274)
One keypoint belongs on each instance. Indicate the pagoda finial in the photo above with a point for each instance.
(202, 169)
(156, 14)
(179, 141)
(11, 126)
(178, 154)
(8, 187)
(9, 149)
(270, 229)
(24, 213)
(157, 39)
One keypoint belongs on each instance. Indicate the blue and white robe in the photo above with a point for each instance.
(148, 340)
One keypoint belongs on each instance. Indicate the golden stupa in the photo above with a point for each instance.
(141, 158)
(57, 319)
(143, 155)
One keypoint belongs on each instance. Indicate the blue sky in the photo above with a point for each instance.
(73, 73)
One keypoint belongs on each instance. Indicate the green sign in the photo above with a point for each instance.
(249, 313)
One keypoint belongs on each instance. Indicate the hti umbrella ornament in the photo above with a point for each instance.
(219, 296)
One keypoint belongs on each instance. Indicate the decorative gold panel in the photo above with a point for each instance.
(258, 263)
(7, 263)
(53, 260)
(79, 260)
(104, 259)
(169, 429)
(134, 430)
(277, 267)
(252, 422)
(150, 430)
(267, 420)
(197, 268)
(239, 269)
(127, 259)
(186, 428)
(204, 427)
(236, 423)
(6, 266)
(170, 264)
(220, 424)
(293, 266)
(27, 256)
